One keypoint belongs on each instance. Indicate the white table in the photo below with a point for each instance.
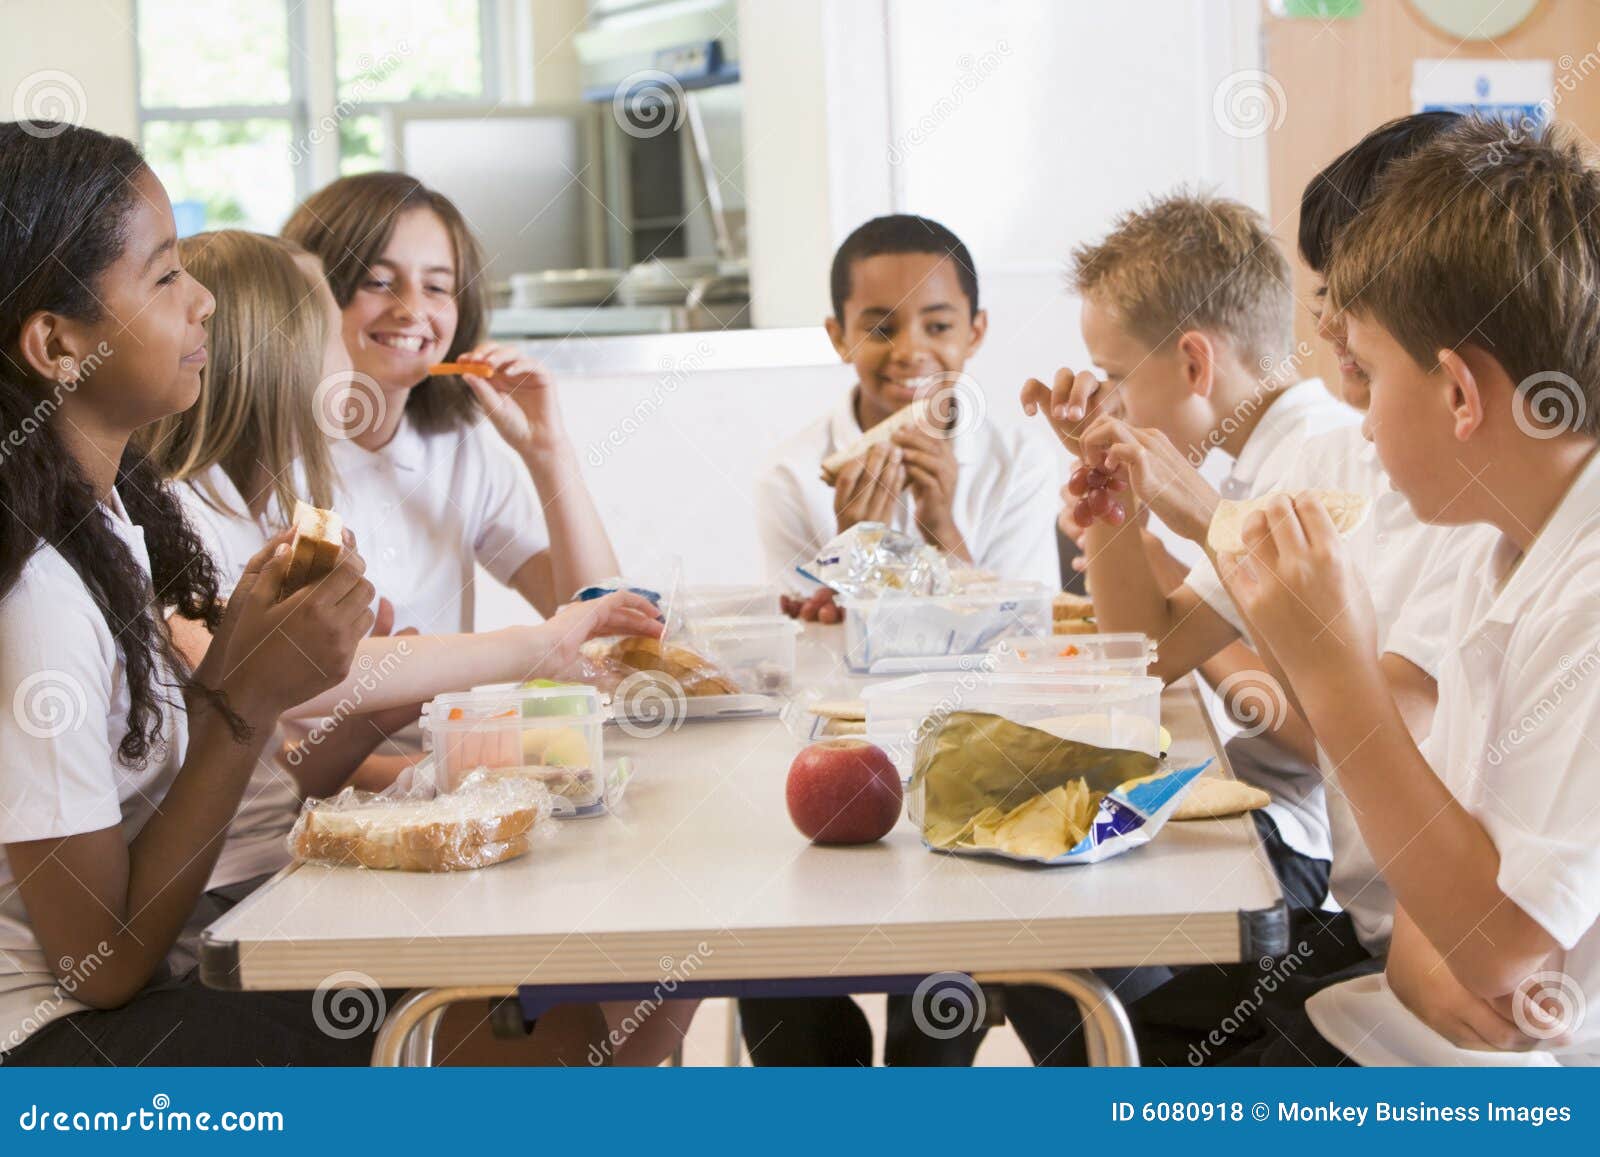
(700, 861)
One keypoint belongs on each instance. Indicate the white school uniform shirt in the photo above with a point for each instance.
(1299, 414)
(1513, 740)
(255, 843)
(427, 507)
(1006, 500)
(63, 713)
(1410, 570)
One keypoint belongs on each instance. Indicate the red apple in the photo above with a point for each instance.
(843, 791)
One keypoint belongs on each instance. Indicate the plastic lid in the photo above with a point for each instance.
(1017, 686)
(569, 701)
(746, 625)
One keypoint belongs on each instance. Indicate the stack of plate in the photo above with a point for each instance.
(664, 281)
(560, 287)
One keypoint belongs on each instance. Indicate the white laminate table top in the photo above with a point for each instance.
(700, 861)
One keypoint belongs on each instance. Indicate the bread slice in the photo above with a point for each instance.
(1067, 606)
(1226, 533)
(1212, 798)
(692, 671)
(920, 410)
(447, 834)
(314, 550)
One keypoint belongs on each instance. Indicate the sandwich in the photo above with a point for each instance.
(315, 548)
(1072, 614)
(920, 411)
(486, 823)
(1226, 534)
(691, 670)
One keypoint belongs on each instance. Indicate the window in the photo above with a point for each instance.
(245, 106)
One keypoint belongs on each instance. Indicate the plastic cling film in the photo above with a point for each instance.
(487, 821)
(871, 559)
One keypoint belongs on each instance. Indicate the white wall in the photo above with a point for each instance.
(80, 52)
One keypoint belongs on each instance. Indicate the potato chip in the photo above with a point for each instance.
(1043, 827)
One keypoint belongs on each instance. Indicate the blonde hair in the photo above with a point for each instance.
(1487, 236)
(257, 409)
(1192, 261)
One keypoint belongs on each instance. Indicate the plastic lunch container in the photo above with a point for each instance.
(1106, 710)
(894, 626)
(1129, 653)
(550, 733)
(721, 602)
(758, 652)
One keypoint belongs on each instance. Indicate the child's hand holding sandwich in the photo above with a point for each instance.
(1295, 585)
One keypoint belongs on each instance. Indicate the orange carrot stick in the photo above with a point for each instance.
(477, 369)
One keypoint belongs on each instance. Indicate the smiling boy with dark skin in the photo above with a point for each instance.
(906, 319)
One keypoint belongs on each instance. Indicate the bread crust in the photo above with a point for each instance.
(919, 410)
(314, 550)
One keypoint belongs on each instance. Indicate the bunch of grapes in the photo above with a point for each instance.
(1096, 493)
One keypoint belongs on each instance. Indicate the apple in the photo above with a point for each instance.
(843, 791)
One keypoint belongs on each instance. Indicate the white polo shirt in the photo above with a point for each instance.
(1519, 693)
(271, 801)
(1296, 416)
(63, 713)
(427, 507)
(1006, 501)
(1410, 569)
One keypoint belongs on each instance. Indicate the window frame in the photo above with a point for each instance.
(310, 32)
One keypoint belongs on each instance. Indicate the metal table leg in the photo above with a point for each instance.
(1107, 1033)
(422, 1008)
(733, 1047)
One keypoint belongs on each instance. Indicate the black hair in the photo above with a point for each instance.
(66, 194)
(900, 233)
(1334, 197)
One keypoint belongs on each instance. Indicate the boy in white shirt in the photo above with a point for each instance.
(1187, 309)
(1484, 364)
(906, 319)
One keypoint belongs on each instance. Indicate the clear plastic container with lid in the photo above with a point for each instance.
(551, 733)
(1127, 653)
(722, 602)
(758, 652)
(896, 626)
(1105, 710)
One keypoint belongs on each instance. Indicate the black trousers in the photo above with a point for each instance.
(178, 1021)
(833, 1031)
(1254, 1012)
